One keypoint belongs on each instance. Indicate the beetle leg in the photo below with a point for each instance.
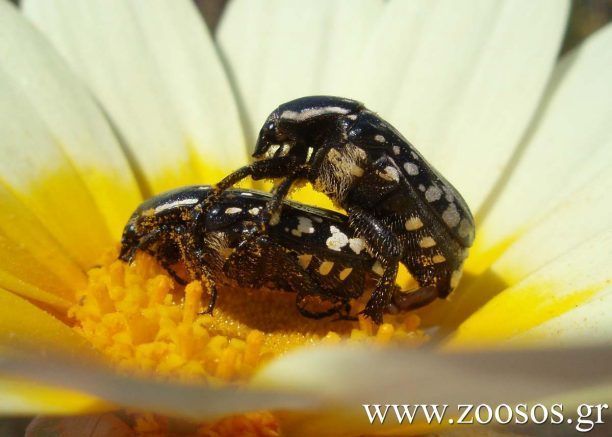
(386, 249)
(274, 206)
(144, 243)
(344, 313)
(252, 260)
(211, 285)
(382, 294)
(410, 301)
(272, 168)
(336, 309)
(187, 247)
(166, 265)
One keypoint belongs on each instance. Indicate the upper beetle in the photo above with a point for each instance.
(402, 207)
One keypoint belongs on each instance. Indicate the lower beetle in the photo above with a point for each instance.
(396, 201)
(311, 252)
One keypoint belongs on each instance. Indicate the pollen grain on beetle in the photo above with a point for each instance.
(145, 321)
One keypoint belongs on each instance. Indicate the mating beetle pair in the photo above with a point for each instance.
(398, 204)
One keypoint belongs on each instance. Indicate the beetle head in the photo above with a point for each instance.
(302, 124)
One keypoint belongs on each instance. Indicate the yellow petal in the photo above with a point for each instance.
(585, 214)
(74, 121)
(154, 69)
(586, 323)
(32, 262)
(36, 171)
(20, 397)
(576, 278)
(23, 325)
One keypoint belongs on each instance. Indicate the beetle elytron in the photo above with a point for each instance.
(396, 201)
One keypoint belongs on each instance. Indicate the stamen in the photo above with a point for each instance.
(144, 321)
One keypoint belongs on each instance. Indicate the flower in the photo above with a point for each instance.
(107, 102)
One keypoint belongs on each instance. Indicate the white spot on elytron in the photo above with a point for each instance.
(286, 229)
(411, 168)
(171, 205)
(352, 117)
(326, 267)
(448, 194)
(337, 240)
(344, 273)
(304, 227)
(389, 174)
(308, 113)
(377, 268)
(396, 150)
(414, 155)
(233, 210)
(254, 211)
(437, 259)
(422, 187)
(304, 260)
(247, 194)
(413, 223)
(427, 242)
(379, 138)
(455, 278)
(465, 228)
(357, 245)
(433, 193)
(451, 216)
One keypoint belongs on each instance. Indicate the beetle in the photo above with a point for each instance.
(311, 252)
(405, 210)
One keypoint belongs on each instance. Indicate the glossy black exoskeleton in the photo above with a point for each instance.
(311, 251)
(396, 201)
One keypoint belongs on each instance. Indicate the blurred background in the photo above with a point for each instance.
(586, 17)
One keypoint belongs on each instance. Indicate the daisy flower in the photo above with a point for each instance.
(105, 103)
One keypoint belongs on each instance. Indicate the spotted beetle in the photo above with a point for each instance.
(311, 252)
(402, 207)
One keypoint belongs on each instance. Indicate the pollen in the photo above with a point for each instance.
(144, 321)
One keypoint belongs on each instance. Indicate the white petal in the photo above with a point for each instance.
(154, 69)
(353, 376)
(171, 398)
(462, 80)
(581, 276)
(569, 143)
(584, 215)
(281, 50)
(43, 179)
(72, 117)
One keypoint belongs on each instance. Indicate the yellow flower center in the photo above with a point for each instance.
(143, 320)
